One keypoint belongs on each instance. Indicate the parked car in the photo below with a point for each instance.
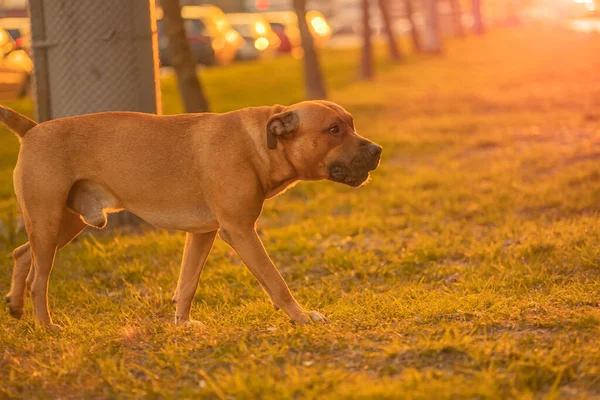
(259, 38)
(285, 25)
(205, 25)
(15, 68)
(20, 30)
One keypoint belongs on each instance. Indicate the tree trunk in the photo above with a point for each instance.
(478, 26)
(395, 53)
(414, 33)
(313, 77)
(432, 42)
(190, 89)
(366, 64)
(456, 11)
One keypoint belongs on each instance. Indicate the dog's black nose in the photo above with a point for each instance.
(374, 149)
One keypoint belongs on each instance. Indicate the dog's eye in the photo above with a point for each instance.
(334, 129)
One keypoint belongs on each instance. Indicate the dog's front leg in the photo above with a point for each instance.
(195, 252)
(247, 244)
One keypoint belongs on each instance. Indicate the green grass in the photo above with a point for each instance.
(468, 267)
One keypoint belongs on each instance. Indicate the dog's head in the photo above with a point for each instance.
(320, 141)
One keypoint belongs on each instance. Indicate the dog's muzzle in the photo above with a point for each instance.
(357, 172)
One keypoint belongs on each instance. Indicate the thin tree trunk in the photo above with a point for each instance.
(183, 62)
(366, 64)
(456, 11)
(313, 77)
(478, 26)
(414, 33)
(395, 53)
(432, 42)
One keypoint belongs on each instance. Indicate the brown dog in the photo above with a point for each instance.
(199, 173)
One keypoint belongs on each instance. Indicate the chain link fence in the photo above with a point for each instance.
(93, 56)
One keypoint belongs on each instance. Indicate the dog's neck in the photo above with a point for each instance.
(282, 173)
(279, 174)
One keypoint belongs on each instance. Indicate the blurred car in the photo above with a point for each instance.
(259, 38)
(285, 25)
(206, 26)
(15, 68)
(20, 30)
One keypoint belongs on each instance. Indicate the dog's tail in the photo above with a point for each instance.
(16, 122)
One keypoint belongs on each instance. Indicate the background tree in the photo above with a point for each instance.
(178, 48)
(414, 32)
(478, 26)
(432, 42)
(395, 53)
(313, 77)
(366, 64)
(456, 12)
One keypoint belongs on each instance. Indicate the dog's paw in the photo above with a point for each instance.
(317, 317)
(310, 317)
(53, 328)
(15, 310)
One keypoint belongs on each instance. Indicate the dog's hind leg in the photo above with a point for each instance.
(23, 274)
(72, 225)
(44, 241)
(22, 265)
(43, 230)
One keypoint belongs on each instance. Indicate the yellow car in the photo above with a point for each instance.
(19, 29)
(15, 69)
(260, 40)
(285, 25)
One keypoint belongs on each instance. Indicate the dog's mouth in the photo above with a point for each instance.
(342, 174)
(356, 172)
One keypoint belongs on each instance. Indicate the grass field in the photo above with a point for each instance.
(468, 267)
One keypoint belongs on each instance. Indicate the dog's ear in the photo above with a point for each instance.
(281, 124)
